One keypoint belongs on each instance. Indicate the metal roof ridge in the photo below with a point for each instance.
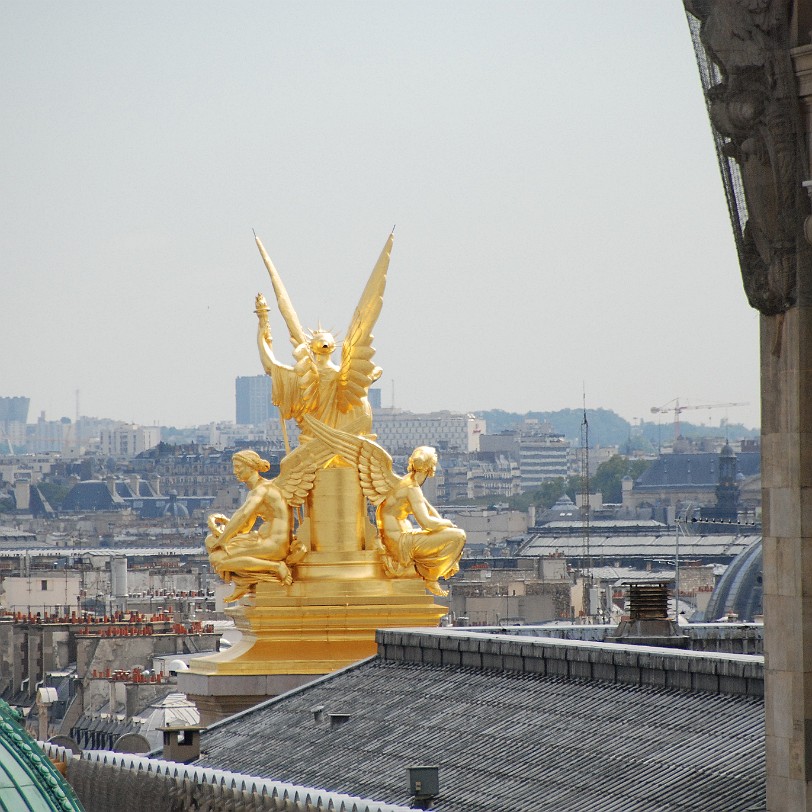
(296, 793)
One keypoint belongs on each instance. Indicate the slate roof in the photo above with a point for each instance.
(91, 495)
(714, 547)
(504, 740)
(677, 470)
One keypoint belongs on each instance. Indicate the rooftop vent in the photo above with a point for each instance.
(338, 719)
(648, 600)
(648, 623)
(424, 784)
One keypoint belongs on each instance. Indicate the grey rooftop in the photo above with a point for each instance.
(516, 724)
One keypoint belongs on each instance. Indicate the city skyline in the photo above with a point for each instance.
(552, 235)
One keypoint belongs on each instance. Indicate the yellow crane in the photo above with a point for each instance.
(674, 406)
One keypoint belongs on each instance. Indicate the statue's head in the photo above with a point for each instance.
(322, 342)
(250, 460)
(423, 460)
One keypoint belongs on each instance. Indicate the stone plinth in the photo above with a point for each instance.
(787, 518)
(649, 632)
(220, 696)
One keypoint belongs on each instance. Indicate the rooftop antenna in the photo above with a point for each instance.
(587, 557)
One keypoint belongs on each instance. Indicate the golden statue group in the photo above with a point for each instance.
(314, 528)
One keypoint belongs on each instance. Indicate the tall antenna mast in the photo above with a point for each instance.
(586, 553)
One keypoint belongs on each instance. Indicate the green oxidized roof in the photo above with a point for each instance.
(28, 780)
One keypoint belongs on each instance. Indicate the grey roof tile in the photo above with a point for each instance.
(504, 741)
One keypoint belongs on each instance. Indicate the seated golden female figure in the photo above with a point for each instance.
(244, 556)
(433, 548)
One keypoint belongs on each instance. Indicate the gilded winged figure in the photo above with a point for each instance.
(315, 385)
(434, 548)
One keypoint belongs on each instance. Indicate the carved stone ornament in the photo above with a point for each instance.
(743, 49)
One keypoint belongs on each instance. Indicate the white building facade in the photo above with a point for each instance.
(401, 432)
(128, 440)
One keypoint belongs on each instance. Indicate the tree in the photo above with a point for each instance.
(54, 492)
(547, 494)
(608, 478)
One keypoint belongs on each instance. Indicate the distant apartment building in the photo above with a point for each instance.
(48, 435)
(494, 475)
(598, 455)
(127, 440)
(36, 466)
(541, 453)
(253, 399)
(401, 432)
(87, 430)
(225, 434)
(196, 470)
(541, 458)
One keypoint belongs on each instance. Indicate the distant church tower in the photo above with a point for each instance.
(727, 491)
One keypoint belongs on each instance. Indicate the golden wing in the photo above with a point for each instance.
(373, 463)
(358, 372)
(297, 471)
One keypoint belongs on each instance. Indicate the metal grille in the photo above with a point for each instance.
(731, 176)
(648, 601)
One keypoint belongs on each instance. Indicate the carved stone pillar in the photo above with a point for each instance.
(758, 88)
(786, 437)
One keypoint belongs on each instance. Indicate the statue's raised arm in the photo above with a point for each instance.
(295, 388)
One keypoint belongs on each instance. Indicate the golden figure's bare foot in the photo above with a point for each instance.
(434, 586)
(242, 589)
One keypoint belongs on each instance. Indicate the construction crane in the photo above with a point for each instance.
(674, 406)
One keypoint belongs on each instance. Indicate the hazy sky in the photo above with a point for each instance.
(549, 166)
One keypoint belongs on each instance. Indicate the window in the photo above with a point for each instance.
(44, 586)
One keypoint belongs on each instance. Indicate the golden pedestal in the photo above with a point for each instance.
(326, 619)
(326, 622)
